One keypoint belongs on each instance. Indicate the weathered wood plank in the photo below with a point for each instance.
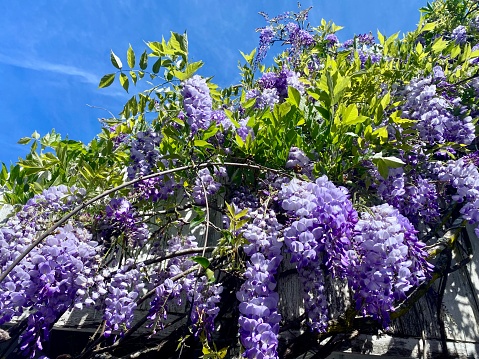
(396, 347)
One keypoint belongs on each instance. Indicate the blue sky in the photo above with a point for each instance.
(53, 53)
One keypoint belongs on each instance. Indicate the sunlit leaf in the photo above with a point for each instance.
(124, 81)
(130, 57)
(106, 80)
(24, 140)
(202, 261)
(144, 60)
(115, 60)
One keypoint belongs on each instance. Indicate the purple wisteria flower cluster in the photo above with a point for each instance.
(244, 130)
(259, 317)
(331, 40)
(298, 161)
(414, 196)
(55, 275)
(459, 34)
(173, 284)
(266, 39)
(298, 38)
(386, 261)
(145, 158)
(359, 40)
(166, 289)
(197, 103)
(273, 88)
(220, 118)
(144, 153)
(204, 298)
(463, 175)
(364, 45)
(439, 119)
(321, 232)
(205, 184)
(281, 28)
(121, 218)
(124, 288)
(242, 198)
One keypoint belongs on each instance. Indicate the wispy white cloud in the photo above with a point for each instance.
(40, 65)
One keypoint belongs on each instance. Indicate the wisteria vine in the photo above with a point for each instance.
(339, 162)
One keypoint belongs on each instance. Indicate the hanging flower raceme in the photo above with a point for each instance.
(124, 288)
(55, 276)
(415, 197)
(298, 161)
(259, 318)
(364, 44)
(273, 88)
(205, 185)
(144, 159)
(385, 262)
(463, 175)
(204, 298)
(197, 103)
(322, 227)
(202, 295)
(167, 290)
(439, 119)
(121, 218)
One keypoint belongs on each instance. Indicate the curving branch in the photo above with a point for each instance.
(82, 206)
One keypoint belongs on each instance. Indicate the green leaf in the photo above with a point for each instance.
(386, 99)
(213, 130)
(182, 40)
(174, 41)
(106, 80)
(429, 26)
(350, 114)
(340, 87)
(241, 214)
(202, 143)
(24, 140)
(249, 103)
(474, 54)
(115, 60)
(249, 58)
(130, 57)
(439, 45)
(156, 47)
(144, 60)
(381, 38)
(393, 162)
(204, 262)
(133, 76)
(35, 135)
(230, 209)
(156, 66)
(294, 97)
(239, 141)
(3, 174)
(124, 81)
(383, 169)
(456, 51)
(419, 48)
(384, 163)
(210, 275)
(382, 134)
(280, 111)
(190, 70)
